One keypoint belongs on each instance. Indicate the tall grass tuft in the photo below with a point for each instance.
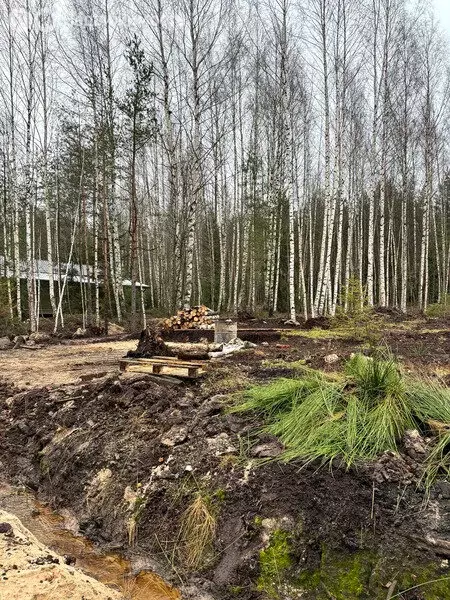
(198, 530)
(429, 400)
(278, 396)
(438, 460)
(356, 418)
(311, 429)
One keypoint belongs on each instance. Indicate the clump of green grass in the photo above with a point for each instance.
(431, 403)
(354, 418)
(278, 396)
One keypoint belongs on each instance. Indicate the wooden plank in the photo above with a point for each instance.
(198, 362)
(177, 371)
(163, 360)
(174, 360)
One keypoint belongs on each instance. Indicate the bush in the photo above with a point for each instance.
(439, 309)
(355, 315)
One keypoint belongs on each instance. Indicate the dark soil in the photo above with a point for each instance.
(57, 442)
(90, 448)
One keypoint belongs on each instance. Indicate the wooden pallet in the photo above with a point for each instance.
(163, 365)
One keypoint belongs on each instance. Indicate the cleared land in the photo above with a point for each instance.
(61, 364)
(126, 455)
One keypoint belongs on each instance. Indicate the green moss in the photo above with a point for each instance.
(318, 334)
(431, 584)
(219, 495)
(309, 580)
(257, 521)
(347, 578)
(279, 363)
(340, 577)
(274, 561)
(236, 589)
(441, 309)
(363, 576)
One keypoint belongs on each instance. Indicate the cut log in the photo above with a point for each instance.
(192, 351)
(197, 316)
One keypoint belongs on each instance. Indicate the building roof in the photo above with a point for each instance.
(43, 270)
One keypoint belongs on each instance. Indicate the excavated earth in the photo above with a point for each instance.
(125, 456)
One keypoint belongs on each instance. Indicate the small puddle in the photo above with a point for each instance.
(109, 568)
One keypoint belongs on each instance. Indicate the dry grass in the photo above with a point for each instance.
(225, 379)
(197, 531)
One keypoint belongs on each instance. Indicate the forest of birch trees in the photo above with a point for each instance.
(250, 155)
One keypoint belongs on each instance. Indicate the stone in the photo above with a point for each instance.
(38, 336)
(162, 472)
(213, 405)
(220, 445)
(79, 333)
(193, 592)
(140, 385)
(414, 444)
(116, 387)
(393, 467)
(23, 427)
(268, 450)
(331, 359)
(5, 528)
(175, 417)
(175, 435)
(270, 525)
(442, 489)
(5, 343)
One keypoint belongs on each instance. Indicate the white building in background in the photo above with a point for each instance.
(43, 271)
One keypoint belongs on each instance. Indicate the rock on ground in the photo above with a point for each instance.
(5, 343)
(29, 570)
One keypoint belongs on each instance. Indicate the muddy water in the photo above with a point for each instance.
(111, 569)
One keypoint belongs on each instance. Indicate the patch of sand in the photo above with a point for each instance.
(29, 570)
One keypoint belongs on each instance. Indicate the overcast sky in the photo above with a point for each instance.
(443, 14)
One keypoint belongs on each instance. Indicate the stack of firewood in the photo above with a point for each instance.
(198, 317)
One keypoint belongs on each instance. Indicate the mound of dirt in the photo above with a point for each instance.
(127, 456)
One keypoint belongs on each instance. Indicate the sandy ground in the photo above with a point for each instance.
(62, 364)
(31, 571)
(59, 533)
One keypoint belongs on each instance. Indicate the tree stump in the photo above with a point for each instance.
(150, 344)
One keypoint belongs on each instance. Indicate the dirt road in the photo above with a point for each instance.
(61, 364)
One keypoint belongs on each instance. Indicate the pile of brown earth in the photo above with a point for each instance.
(132, 459)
